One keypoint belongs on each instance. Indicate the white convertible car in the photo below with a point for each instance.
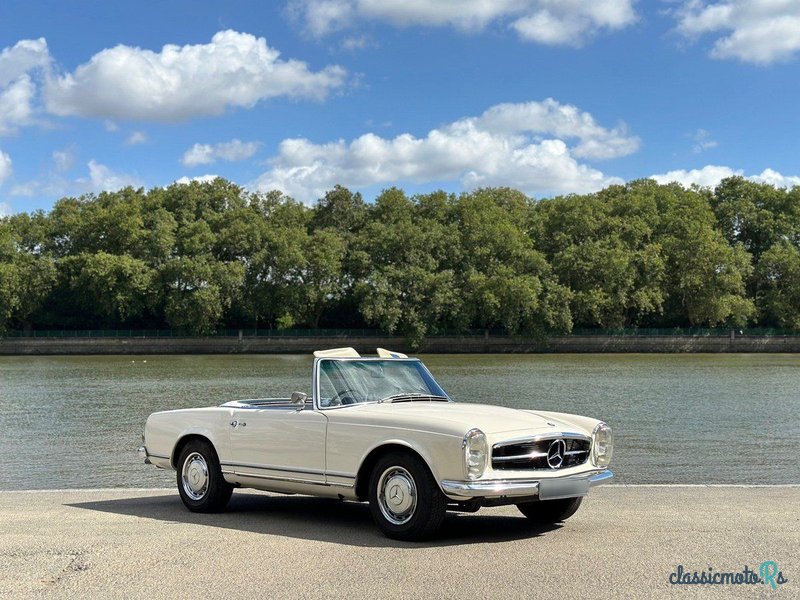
(380, 429)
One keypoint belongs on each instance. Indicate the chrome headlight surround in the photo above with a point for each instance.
(602, 445)
(476, 453)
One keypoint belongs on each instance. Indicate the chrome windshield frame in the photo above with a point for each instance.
(315, 392)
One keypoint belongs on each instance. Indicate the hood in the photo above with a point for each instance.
(461, 417)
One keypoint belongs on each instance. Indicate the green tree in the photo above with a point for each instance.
(778, 276)
(705, 275)
(602, 247)
(505, 281)
(318, 280)
(198, 290)
(340, 210)
(27, 277)
(756, 215)
(269, 273)
(405, 284)
(113, 288)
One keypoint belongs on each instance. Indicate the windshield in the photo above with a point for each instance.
(344, 382)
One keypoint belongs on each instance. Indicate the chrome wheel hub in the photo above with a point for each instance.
(397, 495)
(194, 476)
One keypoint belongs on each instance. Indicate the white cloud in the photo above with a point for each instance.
(103, 179)
(756, 31)
(552, 22)
(772, 177)
(17, 88)
(199, 179)
(206, 154)
(5, 166)
(180, 82)
(51, 186)
(16, 105)
(357, 42)
(571, 22)
(711, 175)
(135, 138)
(519, 145)
(702, 141)
(99, 178)
(64, 159)
(22, 57)
(199, 154)
(5, 209)
(29, 189)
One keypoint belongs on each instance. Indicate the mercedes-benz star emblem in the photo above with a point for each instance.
(555, 454)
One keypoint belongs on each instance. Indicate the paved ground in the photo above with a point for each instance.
(623, 543)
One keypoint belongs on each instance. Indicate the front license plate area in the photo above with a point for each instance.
(553, 489)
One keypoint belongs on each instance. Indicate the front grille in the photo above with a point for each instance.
(532, 454)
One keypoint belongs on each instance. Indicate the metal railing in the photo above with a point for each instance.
(685, 331)
(374, 333)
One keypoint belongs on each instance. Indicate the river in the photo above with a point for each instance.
(76, 421)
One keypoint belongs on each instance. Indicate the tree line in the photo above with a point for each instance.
(202, 256)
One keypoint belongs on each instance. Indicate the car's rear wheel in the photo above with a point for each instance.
(200, 482)
(405, 501)
(550, 511)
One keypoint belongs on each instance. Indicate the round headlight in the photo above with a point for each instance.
(602, 445)
(476, 453)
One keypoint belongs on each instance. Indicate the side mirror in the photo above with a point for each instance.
(299, 399)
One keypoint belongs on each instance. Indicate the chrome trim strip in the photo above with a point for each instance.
(272, 468)
(340, 474)
(493, 488)
(288, 479)
(544, 436)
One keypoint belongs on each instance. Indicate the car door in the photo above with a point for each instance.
(279, 443)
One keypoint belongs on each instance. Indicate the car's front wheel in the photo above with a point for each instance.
(405, 501)
(200, 482)
(550, 511)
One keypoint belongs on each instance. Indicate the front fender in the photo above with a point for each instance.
(441, 453)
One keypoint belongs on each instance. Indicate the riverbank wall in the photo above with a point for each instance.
(435, 345)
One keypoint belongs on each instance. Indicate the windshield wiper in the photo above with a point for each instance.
(410, 397)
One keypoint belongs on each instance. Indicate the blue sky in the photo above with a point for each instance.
(548, 96)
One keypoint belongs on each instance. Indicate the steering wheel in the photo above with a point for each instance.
(345, 396)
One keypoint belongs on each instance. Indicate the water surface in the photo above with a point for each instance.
(68, 422)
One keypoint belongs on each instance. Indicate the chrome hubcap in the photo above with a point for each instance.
(397, 495)
(195, 476)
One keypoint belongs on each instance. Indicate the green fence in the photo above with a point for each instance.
(174, 333)
(368, 333)
(686, 331)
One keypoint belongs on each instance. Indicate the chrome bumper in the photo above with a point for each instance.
(508, 488)
(143, 455)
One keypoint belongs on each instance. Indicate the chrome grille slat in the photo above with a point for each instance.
(521, 456)
(531, 453)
